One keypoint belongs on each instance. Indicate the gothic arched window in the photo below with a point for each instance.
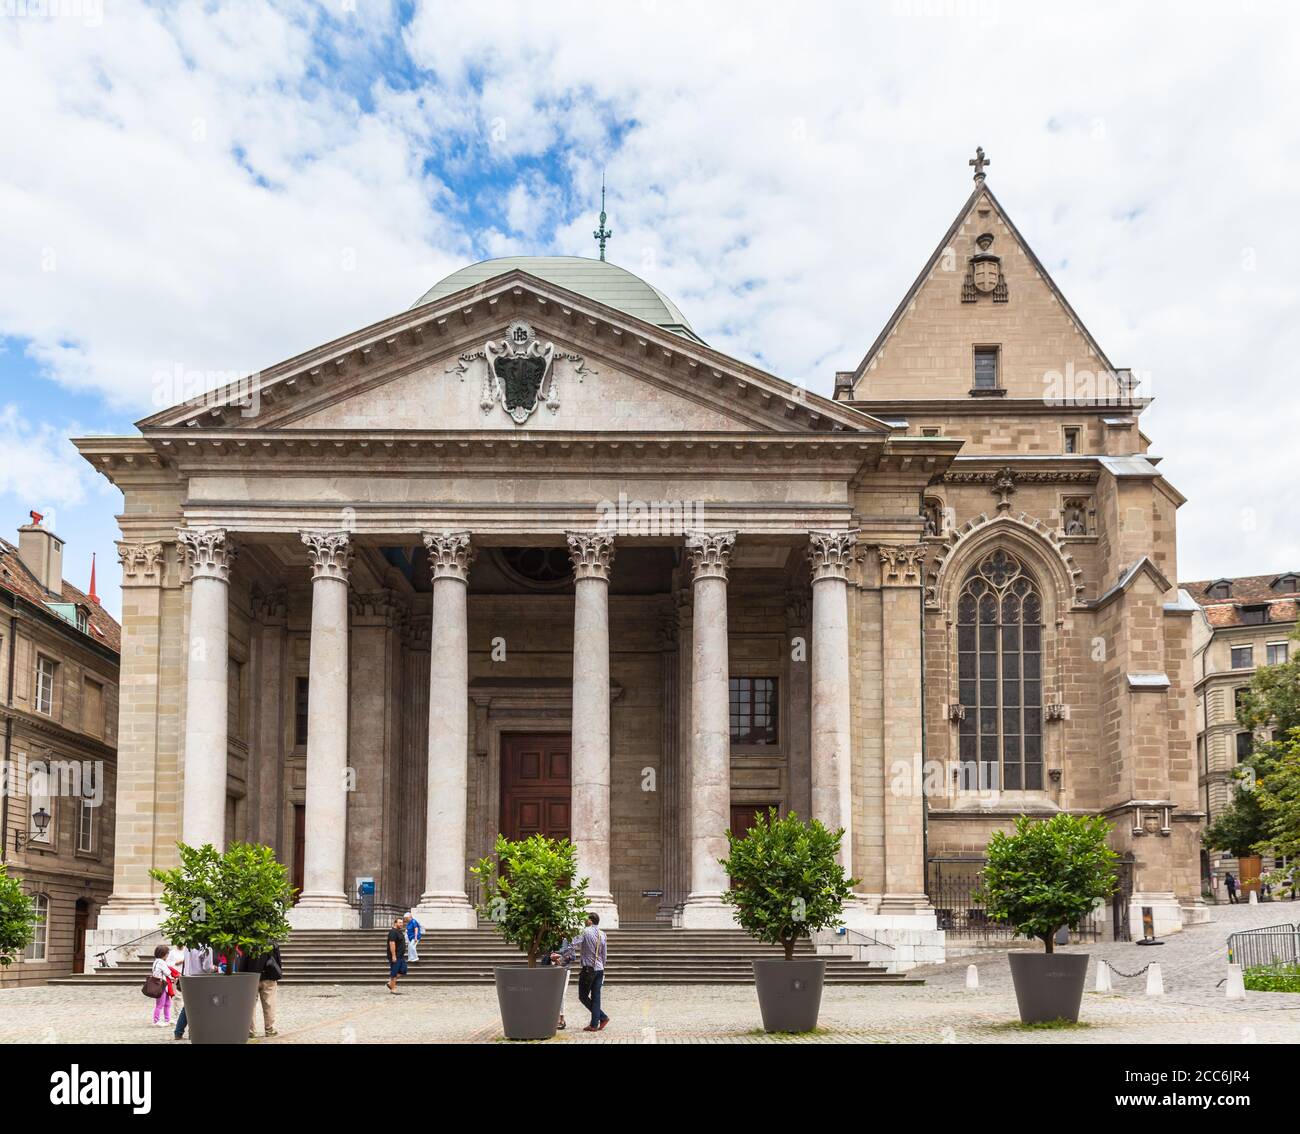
(1000, 676)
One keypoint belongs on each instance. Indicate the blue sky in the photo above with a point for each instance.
(218, 186)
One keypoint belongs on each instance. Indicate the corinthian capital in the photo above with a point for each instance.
(208, 553)
(331, 554)
(141, 563)
(591, 553)
(450, 555)
(832, 554)
(710, 554)
(902, 564)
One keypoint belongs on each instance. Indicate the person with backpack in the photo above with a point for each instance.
(270, 969)
(162, 974)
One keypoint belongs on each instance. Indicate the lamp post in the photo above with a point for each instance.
(41, 820)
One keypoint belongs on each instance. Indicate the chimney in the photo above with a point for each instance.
(42, 554)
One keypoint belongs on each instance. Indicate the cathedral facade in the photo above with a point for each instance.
(532, 557)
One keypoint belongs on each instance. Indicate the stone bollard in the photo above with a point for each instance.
(972, 977)
(1254, 898)
(1235, 986)
(1155, 982)
(1103, 977)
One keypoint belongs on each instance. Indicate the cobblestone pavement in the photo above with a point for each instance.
(1192, 1010)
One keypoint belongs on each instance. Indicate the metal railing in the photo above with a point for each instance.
(953, 884)
(1268, 945)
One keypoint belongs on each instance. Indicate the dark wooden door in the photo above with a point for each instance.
(742, 815)
(535, 790)
(299, 847)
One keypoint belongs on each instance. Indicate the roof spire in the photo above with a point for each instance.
(90, 594)
(602, 234)
(979, 161)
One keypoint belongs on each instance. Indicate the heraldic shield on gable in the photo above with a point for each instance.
(519, 373)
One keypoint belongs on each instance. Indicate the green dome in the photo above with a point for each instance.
(597, 279)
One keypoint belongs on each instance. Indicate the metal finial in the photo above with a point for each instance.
(979, 161)
(602, 234)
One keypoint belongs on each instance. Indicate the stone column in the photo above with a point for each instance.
(902, 570)
(831, 554)
(710, 556)
(323, 903)
(799, 699)
(444, 904)
(209, 556)
(592, 554)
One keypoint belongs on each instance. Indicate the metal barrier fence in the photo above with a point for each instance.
(1268, 945)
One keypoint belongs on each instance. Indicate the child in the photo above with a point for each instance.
(165, 973)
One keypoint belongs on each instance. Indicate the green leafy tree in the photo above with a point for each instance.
(529, 895)
(1242, 824)
(1048, 874)
(1277, 794)
(17, 918)
(786, 880)
(233, 900)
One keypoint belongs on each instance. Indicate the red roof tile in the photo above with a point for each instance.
(15, 577)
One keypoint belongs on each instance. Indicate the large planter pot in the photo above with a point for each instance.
(530, 1000)
(219, 1008)
(790, 993)
(1049, 986)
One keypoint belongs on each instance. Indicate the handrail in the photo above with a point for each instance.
(102, 956)
(844, 931)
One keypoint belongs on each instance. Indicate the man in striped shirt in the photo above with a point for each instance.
(592, 948)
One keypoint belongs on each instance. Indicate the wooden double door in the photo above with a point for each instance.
(536, 790)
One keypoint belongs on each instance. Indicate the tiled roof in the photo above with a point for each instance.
(1247, 590)
(15, 577)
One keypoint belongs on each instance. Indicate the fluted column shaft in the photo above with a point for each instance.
(710, 556)
(592, 554)
(445, 903)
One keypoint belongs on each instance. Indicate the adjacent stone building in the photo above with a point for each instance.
(532, 556)
(59, 675)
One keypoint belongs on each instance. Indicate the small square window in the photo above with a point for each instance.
(931, 431)
(1276, 653)
(1253, 615)
(1243, 657)
(753, 710)
(1071, 434)
(1245, 742)
(986, 368)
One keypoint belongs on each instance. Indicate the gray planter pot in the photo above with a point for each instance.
(1049, 986)
(790, 993)
(530, 1000)
(219, 1008)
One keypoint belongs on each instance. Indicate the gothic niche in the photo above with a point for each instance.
(934, 525)
(1076, 515)
(984, 273)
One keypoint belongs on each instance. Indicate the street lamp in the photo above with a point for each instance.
(41, 820)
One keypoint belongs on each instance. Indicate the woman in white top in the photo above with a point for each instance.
(167, 974)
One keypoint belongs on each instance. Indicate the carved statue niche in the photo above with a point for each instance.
(1075, 513)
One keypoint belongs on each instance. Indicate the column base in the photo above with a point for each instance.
(896, 942)
(906, 906)
(323, 911)
(604, 905)
(140, 914)
(1166, 913)
(707, 911)
(446, 911)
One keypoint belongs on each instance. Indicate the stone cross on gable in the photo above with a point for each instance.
(979, 161)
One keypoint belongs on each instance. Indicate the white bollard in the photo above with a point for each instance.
(1155, 983)
(1235, 986)
(1103, 977)
(972, 977)
(1254, 898)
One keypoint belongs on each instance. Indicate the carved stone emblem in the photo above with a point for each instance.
(519, 368)
(984, 273)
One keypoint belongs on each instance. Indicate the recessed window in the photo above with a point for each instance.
(1239, 698)
(1253, 615)
(1071, 434)
(46, 669)
(1276, 653)
(1245, 742)
(1286, 584)
(87, 821)
(753, 710)
(39, 949)
(986, 368)
(931, 431)
(1220, 590)
(1243, 657)
(92, 707)
(300, 687)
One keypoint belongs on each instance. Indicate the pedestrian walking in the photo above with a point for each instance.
(165, 973)
(1231, 885)
(198, 962)
(396, 953)
(592, 950)
(270, 968)
(414, 931)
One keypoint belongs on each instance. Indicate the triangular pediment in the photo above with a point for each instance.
(434, 368)
(983, 287)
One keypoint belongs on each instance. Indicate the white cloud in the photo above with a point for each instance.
(40, 466)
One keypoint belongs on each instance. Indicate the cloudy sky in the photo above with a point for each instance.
(217, 186)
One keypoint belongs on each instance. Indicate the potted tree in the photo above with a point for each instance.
(1047, 875)
(786, 884)
(225, 901)
(529, 895)
(17, 918)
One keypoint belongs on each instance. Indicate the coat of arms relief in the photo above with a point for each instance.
(519, 372)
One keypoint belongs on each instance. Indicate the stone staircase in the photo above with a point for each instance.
(637, 955)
